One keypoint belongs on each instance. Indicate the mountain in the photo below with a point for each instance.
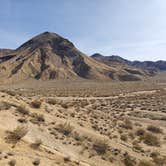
(49, 56)
(149, 66)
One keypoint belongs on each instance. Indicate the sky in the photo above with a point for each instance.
(132, 29)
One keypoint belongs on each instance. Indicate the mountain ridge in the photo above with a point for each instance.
(151, 66)
(49, 56)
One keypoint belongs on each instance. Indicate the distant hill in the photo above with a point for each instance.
(49, 56)
(150, 66)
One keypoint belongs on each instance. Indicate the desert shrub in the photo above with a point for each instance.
(12, 162)
(37, 118)
(22, 109)
(51, 101)
(140, 132)
(123, 137)
(136, 145)
(64, 105)
(128, 160)
(66, 158)
(77, 137)
(36, 104)
(65, 128)
(22, 120)
(154, 129)
(11, 93)
(101, 146)
(127, 124)
(145, 163)
(16, 134)
(158, 159)
(4, 105)
(151, 140)
(36, 162)
(154, 154)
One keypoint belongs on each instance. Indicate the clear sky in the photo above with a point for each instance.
(133, 29)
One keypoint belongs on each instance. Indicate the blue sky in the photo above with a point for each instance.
(133, 29)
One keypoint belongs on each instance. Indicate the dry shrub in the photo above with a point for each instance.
(36, 104)
(16, 134)
(36, 162)
(154, 129)
(65, 128)
(136, 145)
(101, 146)
(128, 160)
(12, 162)
(124, 137)
(37, 118)
(22, 109)
(158, 159)
(151, 140)
(127, 124)
(145, 163)
(140, 132)
(4, 105)
(51, 101)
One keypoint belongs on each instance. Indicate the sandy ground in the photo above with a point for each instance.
(69, 127)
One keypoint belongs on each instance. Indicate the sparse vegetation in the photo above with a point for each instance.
(154, 129)
(151, 140)
(145, 163)
(65, 128)
(36, 104)
(12, 162)
(17, 134)
(100, 146)
(22, 109)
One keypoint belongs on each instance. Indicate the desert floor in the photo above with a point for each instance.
(86, 123)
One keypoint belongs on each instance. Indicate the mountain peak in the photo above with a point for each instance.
(47, 39)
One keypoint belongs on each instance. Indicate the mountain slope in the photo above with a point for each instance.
(50, 56)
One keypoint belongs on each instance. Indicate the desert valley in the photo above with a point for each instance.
(60, 107)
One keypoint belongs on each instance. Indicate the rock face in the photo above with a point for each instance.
(49, 56)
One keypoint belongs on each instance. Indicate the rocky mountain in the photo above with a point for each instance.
(49, 56)
(149, 66)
